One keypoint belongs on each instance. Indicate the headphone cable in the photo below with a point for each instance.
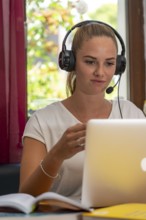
(119, 105)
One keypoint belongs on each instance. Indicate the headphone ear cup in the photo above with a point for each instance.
(67, 60)
(120, 65)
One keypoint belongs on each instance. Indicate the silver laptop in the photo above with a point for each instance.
(115, 162)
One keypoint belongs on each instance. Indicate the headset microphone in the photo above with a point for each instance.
(111, 88)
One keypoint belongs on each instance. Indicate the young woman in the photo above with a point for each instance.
(54, 136)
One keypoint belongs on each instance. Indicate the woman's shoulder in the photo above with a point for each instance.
(128, 109)
(124, 103)
(51, 108)
(43, 117)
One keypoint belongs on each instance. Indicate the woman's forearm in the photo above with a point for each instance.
(39, 182)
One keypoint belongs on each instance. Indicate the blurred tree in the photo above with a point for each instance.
(44, 81)
(106, 13)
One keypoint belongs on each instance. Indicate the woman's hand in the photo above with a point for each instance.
(72, 142)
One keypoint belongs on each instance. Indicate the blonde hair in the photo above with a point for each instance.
(82, 34)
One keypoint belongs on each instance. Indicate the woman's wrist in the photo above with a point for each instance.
(55, 155)
(46, 173)
(51, 164)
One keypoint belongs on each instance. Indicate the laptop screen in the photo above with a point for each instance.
(115, 162)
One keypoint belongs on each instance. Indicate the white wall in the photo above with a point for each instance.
(122, 32)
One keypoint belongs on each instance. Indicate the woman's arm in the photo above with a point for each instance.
(32, 178)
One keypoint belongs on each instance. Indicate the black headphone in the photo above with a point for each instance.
(67, 58)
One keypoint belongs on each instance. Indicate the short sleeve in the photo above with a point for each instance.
(33, 129)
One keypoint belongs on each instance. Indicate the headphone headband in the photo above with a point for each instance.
(67, 59)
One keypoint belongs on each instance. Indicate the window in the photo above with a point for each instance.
(47, 24)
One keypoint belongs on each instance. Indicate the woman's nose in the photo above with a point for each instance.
(99, 70)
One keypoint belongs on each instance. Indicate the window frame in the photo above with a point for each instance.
(136, 53)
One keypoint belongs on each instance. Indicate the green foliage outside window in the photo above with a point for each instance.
(44, 18)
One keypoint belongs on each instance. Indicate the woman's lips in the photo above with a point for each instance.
(97, 81)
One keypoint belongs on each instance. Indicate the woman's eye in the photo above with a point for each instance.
(110, 63)
(90, 62)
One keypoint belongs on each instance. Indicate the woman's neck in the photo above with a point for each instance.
(85, 107)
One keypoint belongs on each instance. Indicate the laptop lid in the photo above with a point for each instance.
(115, 162)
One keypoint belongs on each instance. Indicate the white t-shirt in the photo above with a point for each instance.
(48, 125)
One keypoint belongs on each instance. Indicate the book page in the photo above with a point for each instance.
(20, 201)
(27, 203)
(61, 201)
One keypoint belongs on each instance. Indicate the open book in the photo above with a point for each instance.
(27, 203)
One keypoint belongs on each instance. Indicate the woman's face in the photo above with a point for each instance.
(95, 65)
